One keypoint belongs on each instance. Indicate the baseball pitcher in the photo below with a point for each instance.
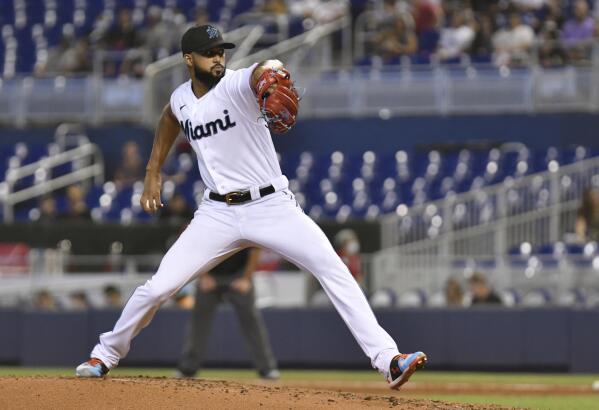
(227, 116)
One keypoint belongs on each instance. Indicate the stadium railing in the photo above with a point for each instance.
(518, 245)
(83, 162)
(335, 87)
(554, 194)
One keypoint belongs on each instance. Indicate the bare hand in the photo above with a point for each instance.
(150, 199)
(207, 283)
(241, 285)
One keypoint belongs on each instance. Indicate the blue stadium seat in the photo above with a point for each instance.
(26, 51)
(92, 197)
(537, 297)
(7, 13)
(551, 254)
(243, 6)
(35, 11)
(519, 255)
(126, 4)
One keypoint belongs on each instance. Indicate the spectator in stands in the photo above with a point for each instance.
(76, 206)
(457, 38)
(158, 36)
(528, 5)
(78, 301)
(578, 32)
(47, 208)
(131, 168)
(274, 7)
(184, 299)
(318, 11)
(587, 221)
(428, 16)
(513, 44)
(54, 62)
(201, 17)
(44, 300)
(112, 297)
(70, 56)
(551, 50)
(347, 246)
(481, 291)
(553, 11)
(487, 7)
(454, 294)
(176, 210)
(79, 58)
(396, 41)
(481, 49)
(123, 37)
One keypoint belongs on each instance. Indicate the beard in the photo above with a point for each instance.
(206, 77)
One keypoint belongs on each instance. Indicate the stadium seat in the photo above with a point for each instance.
(537, 298)
(383, 298)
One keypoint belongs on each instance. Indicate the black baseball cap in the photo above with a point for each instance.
(201, 38)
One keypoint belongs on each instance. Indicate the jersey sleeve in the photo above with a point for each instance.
(240, 91)
(174, 102)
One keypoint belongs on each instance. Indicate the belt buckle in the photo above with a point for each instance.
(230, 197)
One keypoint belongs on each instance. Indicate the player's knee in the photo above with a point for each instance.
(155, 295)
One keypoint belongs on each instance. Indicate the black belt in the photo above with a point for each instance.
(239, 197)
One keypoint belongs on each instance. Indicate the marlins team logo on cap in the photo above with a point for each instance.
(212, 32)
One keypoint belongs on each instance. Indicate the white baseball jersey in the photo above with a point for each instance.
(232, 143)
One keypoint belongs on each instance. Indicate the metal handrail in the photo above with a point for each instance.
(308, 38)
(246, 45)
(260, 19)
(390, 219)
(94, 170)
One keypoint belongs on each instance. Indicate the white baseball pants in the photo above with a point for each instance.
(275, 222)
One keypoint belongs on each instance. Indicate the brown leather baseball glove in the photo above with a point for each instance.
(278, 99)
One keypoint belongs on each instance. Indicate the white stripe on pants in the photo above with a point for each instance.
(274, 222)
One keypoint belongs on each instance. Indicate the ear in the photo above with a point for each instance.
(188, 60)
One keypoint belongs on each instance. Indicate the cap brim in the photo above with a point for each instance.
(208, 47)
(218, 45)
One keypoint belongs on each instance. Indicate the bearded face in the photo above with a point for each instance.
(211, 77)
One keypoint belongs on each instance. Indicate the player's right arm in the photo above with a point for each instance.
(166, 134)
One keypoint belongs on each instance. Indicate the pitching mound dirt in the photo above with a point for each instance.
(162, 393)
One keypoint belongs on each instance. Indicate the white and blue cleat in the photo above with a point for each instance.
(92, 368)
(403, 366)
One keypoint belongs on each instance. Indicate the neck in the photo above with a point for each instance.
(199, 88)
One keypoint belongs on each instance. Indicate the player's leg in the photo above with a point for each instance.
(198, 332)
(254, 331)
(296, 237)
(210, 237)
